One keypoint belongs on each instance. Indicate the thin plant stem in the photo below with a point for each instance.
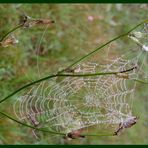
(100, 47)
(99, 135)
(64, 75)
(69, 75)
(29, 126)
(12, 30)
(84, 57)
(48, 131)
(140, 81)
(27, 85)
(60, 74)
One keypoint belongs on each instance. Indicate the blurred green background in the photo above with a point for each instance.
(78, 29)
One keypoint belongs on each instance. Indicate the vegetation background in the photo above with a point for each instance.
(78, 29)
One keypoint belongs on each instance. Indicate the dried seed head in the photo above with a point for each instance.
(37, 22)
(75, 134)
(10, 40)
(43, 21)
(28, 22)
(127, 123)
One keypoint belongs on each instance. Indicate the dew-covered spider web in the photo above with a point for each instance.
(66, 104)
(75, 103)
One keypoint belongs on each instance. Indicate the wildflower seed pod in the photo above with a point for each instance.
(42, 22)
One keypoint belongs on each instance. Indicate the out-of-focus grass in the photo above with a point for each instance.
(72, 36)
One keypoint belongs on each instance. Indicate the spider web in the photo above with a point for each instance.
(76, 103)
(72, 103)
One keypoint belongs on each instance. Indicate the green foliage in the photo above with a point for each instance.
(72, 36)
